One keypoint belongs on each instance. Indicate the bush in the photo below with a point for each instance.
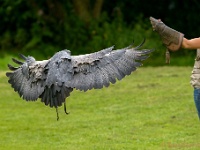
(40, 29)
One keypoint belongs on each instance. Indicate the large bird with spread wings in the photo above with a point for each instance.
(52, 80)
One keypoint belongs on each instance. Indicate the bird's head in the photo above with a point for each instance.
(66, 54)
(30, 60)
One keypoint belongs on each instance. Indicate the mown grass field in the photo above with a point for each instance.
(152, 109)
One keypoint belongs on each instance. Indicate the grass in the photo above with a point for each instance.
(151, 109)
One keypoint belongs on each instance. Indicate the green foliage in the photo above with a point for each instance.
(151, 109)
(4, 60)
(42, 28)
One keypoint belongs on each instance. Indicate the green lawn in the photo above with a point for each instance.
(151, 109)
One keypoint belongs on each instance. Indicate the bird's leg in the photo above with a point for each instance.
(57, 113)
(65, 109)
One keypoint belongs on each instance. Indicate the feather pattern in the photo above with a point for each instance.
(115, 64)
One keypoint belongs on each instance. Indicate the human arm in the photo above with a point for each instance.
(191, 43)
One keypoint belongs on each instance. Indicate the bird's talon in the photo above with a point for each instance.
(67, 113)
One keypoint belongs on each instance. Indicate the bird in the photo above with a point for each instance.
(54, 79)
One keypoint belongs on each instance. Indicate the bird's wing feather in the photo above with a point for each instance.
(28, 78)
(91, 71)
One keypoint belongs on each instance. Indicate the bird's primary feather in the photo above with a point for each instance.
(53, 80)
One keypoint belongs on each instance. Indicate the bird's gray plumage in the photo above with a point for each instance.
(52, 80)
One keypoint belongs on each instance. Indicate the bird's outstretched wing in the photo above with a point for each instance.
(104, 67)
(27, 79)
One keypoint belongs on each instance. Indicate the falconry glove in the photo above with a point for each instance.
(171, 38)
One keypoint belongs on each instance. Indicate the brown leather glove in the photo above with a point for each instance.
(171, 38)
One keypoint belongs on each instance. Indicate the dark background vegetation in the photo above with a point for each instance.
(41, 28)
